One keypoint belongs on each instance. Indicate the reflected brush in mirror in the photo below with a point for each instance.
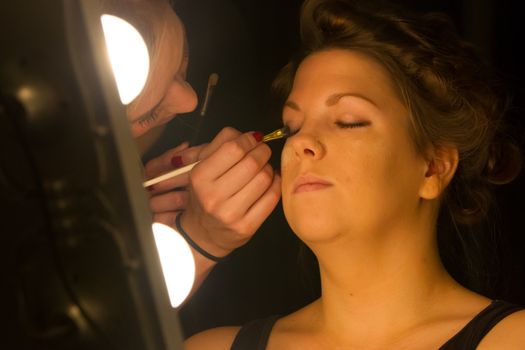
(213, 79)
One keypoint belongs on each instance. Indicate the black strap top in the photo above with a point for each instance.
(471, 335)
(254, 335)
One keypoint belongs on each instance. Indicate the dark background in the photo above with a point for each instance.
(246, 42)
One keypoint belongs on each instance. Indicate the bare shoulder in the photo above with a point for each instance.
(220, 338)
(508, 334)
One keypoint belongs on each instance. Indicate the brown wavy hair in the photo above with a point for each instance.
(454, 99)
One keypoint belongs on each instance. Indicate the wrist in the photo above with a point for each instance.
(199, 240)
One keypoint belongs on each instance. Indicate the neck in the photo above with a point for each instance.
(380, 284)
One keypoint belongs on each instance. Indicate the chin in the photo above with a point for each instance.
(311, 234)
(311, 225)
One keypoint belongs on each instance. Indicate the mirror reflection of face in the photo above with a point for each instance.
(166, 93)
(350, 164)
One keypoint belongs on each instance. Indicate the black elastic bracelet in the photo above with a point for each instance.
(195, 245)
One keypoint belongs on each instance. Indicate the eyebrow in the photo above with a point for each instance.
(332, 100)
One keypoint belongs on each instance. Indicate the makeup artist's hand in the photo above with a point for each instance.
(170, 196)
(225, 198)
(233, 190)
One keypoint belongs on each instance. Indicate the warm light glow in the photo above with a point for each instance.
(29, 96)
(25, 93)
(128, 55)
(178, 265)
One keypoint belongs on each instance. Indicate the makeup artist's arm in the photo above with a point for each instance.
(231, 192)
(169, 197)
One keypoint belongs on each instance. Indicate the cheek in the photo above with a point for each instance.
(391, 174)
(286, 157)
(180, 97)
(368, 171)
(286, 175)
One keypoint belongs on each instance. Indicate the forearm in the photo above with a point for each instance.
(190, 224)
(203, 267)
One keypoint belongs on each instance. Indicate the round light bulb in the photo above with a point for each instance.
(178, 265)
(128, 55)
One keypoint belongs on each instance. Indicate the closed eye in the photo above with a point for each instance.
(345, 125)
(148, 118)
(291, 131)
(340, 124)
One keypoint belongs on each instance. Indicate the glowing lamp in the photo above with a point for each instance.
(178, 265)
(128, 55)
(89, 274)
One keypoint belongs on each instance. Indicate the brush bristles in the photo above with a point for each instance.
(213, 79)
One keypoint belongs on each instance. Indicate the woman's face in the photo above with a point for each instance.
(350, 165)
(167, 93)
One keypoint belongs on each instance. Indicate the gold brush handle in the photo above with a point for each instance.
(277, 134)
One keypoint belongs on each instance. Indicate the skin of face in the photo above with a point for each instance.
(166, 93)
(351, 149)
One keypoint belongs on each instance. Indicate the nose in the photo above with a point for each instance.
(181, 98)
(307, 146)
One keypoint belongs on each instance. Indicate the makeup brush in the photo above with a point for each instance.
(213, 79)
(274, 135)
(277, 134)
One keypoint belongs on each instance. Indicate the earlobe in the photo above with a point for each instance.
(440, 170)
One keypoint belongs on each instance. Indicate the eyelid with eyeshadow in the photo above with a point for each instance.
(291, 130)
(339, 123)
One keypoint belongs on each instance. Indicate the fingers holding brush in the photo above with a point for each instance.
(223, 222)
(231, 150)
(169, 202)
(164, 162)
(277, 134)
(233, 189)
(175, 158)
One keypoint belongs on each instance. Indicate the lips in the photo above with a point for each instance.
(310, 183)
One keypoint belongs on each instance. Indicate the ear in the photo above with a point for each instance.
(440, 169)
